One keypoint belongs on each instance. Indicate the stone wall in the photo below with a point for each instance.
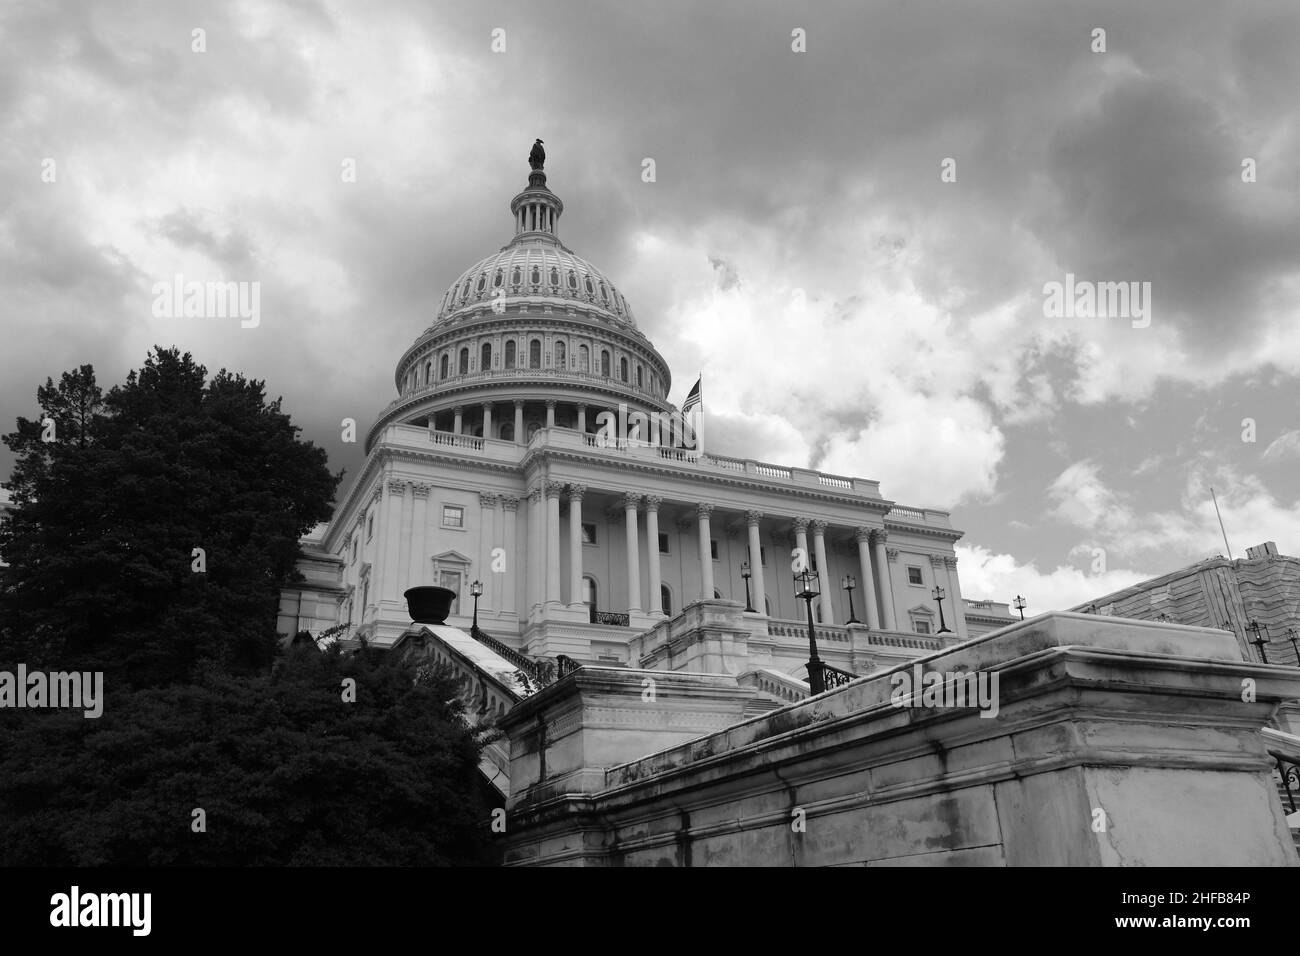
(1115, 743)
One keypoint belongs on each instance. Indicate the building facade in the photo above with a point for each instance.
(532, 448)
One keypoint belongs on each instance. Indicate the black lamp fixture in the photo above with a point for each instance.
(1260, 640)
(745, 573)
(848, 583)
(475, 589)
(1019, 605)
(807, 587)
(938, 594)
(1291, 636)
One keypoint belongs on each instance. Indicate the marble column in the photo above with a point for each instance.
(652, 503)
(510, 525)
(703, 510)
(630, 505)
(576, 493)
(883, 580)
(866, 579)
(582, 418)
(487, 511)
(553, 491)
(958, 605)
(520, 437)
(459, 412)
(536, 569)
(801, 542)
(396, 490)
(823, 572)
(754, 518)
(550, 413)
(417, 566)
(487, 419)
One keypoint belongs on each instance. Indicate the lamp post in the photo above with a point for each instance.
(1259, 641)
(745, 573)
(475, 589)
(1291, 636)
(808, 587)
(937, 594)
(1019, 605)
(848, 583)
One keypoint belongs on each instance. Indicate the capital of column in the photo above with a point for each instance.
(936, 561)
(535, 495)
(631, 502)
(510, 502)
(879, 535)
(458, 409)
(420, 489)
(951, 562)
(396, 486)
(550, 404)
(801, 525)
(377, 493)
(576, 492)
(554, 489)
(818, 526)
(652, 503)
(752, 518)
(487, 499)
(891, 553)
(703, 509)
(519, 404)
(862, 534)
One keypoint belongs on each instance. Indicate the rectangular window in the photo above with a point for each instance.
(370, 527)
(914, 576)
(663, 547)
(588, 533)
(354, 550)
(713, 548)
(921, 627)
(453, 516)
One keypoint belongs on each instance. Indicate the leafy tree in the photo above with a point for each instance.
(102, 543)
(285, 772)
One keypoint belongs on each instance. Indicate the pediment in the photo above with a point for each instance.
(451, 557)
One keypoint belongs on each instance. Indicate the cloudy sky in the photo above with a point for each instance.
(852, 308)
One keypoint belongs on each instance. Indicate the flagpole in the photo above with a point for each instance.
(699, 431)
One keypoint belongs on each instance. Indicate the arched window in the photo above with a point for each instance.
(535, 353)
(442, 367)
(561, 356)
(584, 359)
(604, 363)
(482, 283)
(496, 283)
(590, 287)
(537, 276)
(666, 599)
(485, 357)
(573, 280)
(428, 371)
(516, 276)
(555, 276)
(639, 381)
(464, 361)
(622, 369)
(589, 595)
(510, 355)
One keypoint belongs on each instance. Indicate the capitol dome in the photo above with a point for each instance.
(528, 337)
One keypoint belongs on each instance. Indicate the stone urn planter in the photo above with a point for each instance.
(428, 604)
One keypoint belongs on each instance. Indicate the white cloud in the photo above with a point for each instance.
(999, 577)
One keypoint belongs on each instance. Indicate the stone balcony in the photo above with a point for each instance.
(689, 462)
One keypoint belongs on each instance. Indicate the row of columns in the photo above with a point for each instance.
(458, 418)
(877, 592)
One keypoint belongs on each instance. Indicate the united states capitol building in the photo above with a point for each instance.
(496, 464)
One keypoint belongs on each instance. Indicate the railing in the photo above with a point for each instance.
(824, 633)
(566, 666)
(906, 513)
(834, 482)
(611, 618)
(1289, 771)
(783, 686)
(834, 677)
(772, 471)
(451, 439)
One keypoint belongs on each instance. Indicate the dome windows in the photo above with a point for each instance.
(584, 359)
(516, 277)
(463, 366)
(482, 283)
(622, 369)
(485, 357)
(442, 366)
(500, 276)
(535, 353)
(561, 355)
(573, 280)
(537, 276)
(604, 362)
(590, 288)
(555, 276)
(510, 354)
